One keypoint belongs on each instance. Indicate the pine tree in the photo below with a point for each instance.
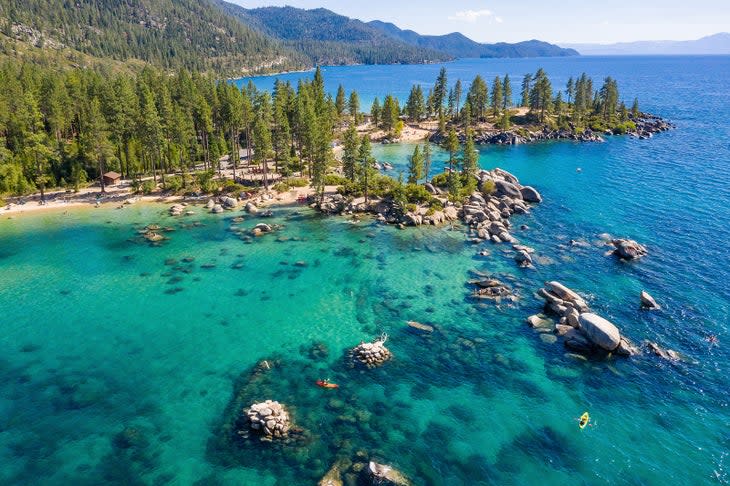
(478, 97)
(635, 109)
(96, 139)
(507, 92)
(365, 166)
(497, 98)
(452, 147)
(470, 163)
(340, 101)
(439, 90)
(457, 95)
(426, 159)
(570, 89)
(526, 80)
(415, 106)
(350, 148)
(354, 106)
(262, 145)
(415, 166)
(375, 112)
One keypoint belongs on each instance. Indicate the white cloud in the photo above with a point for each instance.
(471, 16)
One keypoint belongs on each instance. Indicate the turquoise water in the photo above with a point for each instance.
(122, 366)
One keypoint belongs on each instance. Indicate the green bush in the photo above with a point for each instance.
(436, 205)
(489, 187)
(173, 183)
(334, 180)
(623, 128)
(416, 193)
(440, 180)
(148, 186)
(281, 187)
(232, 187)
(297, 182)
(411, 207)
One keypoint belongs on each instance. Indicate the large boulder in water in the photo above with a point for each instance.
(505, 188)
(647, 301)
(600, 331)
(629, 249)
(530, 194)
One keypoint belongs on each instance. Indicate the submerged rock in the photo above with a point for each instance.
(380, 474)
(417, 326)
(664, 353)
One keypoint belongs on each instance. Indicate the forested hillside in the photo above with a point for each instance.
(328, 38)
(170, 34)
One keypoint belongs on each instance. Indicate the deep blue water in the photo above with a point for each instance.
(121, 367)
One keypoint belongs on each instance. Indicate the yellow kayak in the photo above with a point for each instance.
(584, 419)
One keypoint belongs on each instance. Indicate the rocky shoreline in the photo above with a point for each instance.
(647, 126)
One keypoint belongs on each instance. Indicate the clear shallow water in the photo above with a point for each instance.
(91, 344)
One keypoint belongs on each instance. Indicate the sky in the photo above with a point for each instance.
(562, 21)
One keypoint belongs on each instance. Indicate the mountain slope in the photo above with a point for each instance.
(167, 33)
(458, 45)
(329, 38)
(713, 44)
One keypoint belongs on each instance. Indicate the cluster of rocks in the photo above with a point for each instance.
(581, 329)
(179, 209)
(270, 419)
(516, 137)
(372, 354)
(488, 214)
(628, 249)
(647, 125)
(222, 203)
(387, 211)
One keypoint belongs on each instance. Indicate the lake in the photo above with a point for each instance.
(125, 363)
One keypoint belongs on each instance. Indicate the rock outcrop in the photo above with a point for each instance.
(581, 329)
(270, 419)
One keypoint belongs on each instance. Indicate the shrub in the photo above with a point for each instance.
(623, 128)
(230, 186)
(489, 187)
(148, 186)
(173, 183)
(436, 204)
(281, 187)
(411, 207)
(440, 180)
(418, 194)
(297, 182)
(334, 180)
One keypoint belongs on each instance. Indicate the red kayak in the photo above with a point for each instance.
(327, 384)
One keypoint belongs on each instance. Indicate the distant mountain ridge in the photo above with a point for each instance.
(712, 44)
(330, 38)
(459, 45)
